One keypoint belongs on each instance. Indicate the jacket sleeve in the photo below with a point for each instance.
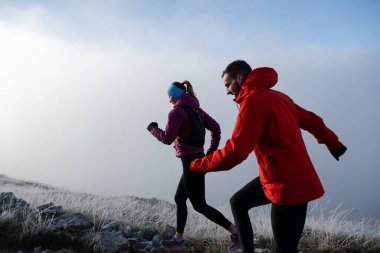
(172, 129)
(214, 128)
(250, 123)
(314, 124)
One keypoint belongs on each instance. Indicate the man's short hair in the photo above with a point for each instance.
(237, 67)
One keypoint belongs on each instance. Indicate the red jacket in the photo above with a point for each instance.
(269, 123)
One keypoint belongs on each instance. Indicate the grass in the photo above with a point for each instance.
(325, 230)
(336, 231)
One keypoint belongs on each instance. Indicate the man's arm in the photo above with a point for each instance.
(249, 125)
(315, 125)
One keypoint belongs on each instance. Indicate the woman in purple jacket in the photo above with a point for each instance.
(191, 185)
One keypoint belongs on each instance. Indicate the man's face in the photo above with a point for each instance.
(232, 85)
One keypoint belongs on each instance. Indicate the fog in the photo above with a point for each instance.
(79, 86)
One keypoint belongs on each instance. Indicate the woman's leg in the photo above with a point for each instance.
(177, 242)
(287, 224)
(249, 196)
(180, 200)
(195, 188)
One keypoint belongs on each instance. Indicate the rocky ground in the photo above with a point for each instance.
(49, 229)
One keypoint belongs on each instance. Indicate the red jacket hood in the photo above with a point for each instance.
(260, 78)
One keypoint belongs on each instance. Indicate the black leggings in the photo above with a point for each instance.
(192, 186)
(287, 221)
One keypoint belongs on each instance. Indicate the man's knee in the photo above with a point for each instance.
(180, 200)
(235, 202)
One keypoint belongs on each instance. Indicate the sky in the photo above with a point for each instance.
(81, 80)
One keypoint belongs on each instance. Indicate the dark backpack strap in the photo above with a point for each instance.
(197, 127)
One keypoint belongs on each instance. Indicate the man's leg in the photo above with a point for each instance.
(249, 196)
(287, 224)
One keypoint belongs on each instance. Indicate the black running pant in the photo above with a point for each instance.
(192, 186)
(287, 221)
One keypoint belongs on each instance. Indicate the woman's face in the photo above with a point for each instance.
(172, 100)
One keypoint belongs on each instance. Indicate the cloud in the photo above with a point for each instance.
(78, 87)
(73, 108)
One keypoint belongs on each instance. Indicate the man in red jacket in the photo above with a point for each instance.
(269, 123)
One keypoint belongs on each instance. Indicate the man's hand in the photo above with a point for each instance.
(192, 169)
(337, 153)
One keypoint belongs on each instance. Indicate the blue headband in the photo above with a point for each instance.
(175, 91)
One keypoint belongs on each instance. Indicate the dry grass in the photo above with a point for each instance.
(325, 231)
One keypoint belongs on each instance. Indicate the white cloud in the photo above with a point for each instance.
(77, 92)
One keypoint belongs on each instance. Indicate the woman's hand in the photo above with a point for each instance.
(151, 126)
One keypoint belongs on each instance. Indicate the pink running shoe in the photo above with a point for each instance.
(235, 245)
(173, 245)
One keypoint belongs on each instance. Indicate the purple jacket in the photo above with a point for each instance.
(178, 125)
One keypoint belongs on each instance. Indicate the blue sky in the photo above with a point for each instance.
(80, 81)
(293, 23)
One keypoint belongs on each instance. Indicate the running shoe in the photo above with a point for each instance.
(173, 245)
(235, 245)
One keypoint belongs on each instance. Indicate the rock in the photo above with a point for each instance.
(74, 236)
(169, 232)
(68, 222)
(9, 202)
(64, 251)
(41, 250)
(86, 237)
(116, 226)
(148, 248)
(142, 245)
(148, 233)
(50, 210)
(139, 251)
(133, 240)
(37, 250)
(156, 241)
(19, 207)
(108, 242)
(76, 230)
